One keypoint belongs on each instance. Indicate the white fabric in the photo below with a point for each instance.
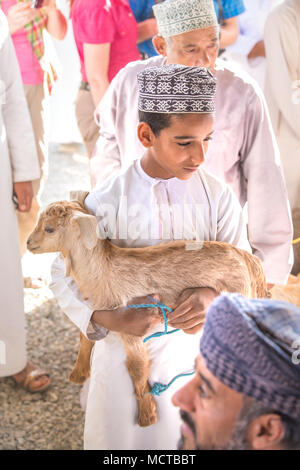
(282, 41)
(243, 152)
(111, 405)
(18, 162)
(251, 25)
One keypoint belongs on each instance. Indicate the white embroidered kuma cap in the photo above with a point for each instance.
(181, 16)
(176, 89)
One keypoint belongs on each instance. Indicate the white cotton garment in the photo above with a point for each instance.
(111, 413)
(18, 162)
(243, 153)
(282, 91)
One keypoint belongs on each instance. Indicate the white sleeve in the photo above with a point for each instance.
(106, 157)
(282, 51)
(231, 224)
(72, 304)
(19, 132)
(269, 219)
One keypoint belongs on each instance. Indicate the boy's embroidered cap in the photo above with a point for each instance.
(180, 16)
(176, 89)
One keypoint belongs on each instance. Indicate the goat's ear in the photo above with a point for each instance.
(88, 228)
(78, 196)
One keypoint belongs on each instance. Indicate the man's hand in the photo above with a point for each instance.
(24, 194)
(19, 15)
(131, 321)
(189, 313)
(258, 50)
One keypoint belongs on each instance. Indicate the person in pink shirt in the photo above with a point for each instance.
(26, 25)
(106, 36)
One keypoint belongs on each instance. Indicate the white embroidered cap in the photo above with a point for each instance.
(180, 16)
(176, 89)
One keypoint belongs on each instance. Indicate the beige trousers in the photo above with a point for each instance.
(84, 108)
(27, 220)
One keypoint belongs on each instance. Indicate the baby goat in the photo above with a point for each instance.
(109, 276)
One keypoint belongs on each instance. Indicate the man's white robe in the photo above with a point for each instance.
(111, 405)
(243, 153)
(282, 41)
(18, 162)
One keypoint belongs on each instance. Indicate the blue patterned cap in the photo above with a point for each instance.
(181, 16)
(252, 346)
(176, 89)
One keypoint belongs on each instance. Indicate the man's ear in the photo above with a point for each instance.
(160, 45)
(145, 135)
(88, 228)
(266, 432)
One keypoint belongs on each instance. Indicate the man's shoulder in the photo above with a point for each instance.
(231, 76)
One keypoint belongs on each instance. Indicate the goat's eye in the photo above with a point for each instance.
(49, 229)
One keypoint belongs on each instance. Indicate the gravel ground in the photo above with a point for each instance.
(53, 419)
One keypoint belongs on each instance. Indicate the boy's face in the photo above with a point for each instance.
(180, 149)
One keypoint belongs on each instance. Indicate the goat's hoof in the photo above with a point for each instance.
(77, 378)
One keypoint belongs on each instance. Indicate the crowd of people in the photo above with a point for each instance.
(186, 104)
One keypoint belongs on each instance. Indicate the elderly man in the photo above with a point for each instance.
(246, 391)
(243, 151)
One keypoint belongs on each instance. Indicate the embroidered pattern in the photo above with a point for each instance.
(180, 16)
(176, 89)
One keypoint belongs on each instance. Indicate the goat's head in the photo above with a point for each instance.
(60, 226)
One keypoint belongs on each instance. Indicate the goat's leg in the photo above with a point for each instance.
(138, 366)
(81, 371)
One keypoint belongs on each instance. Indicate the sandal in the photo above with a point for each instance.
(30, 377)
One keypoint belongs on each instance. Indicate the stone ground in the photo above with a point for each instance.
(53, 419)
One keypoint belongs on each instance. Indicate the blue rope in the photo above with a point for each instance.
(158, 388)
(163, 308)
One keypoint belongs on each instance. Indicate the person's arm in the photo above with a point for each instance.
(269, 221)
(229, 32)
(258, 50)
(56, 22)
(19, 132)
(96, 62)
(147, 29)
(282, 51)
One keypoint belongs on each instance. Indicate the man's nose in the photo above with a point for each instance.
(203, 60)
(184, 397)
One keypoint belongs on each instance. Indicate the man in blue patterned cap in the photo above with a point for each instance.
(246, 391)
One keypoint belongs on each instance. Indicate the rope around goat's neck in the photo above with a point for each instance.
(158, 388)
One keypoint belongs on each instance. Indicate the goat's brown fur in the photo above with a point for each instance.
(116, 275)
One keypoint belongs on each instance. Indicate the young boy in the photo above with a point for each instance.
(162, 197)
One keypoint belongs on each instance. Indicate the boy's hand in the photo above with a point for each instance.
(189, 313)
(24, 194)
(131, 321)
